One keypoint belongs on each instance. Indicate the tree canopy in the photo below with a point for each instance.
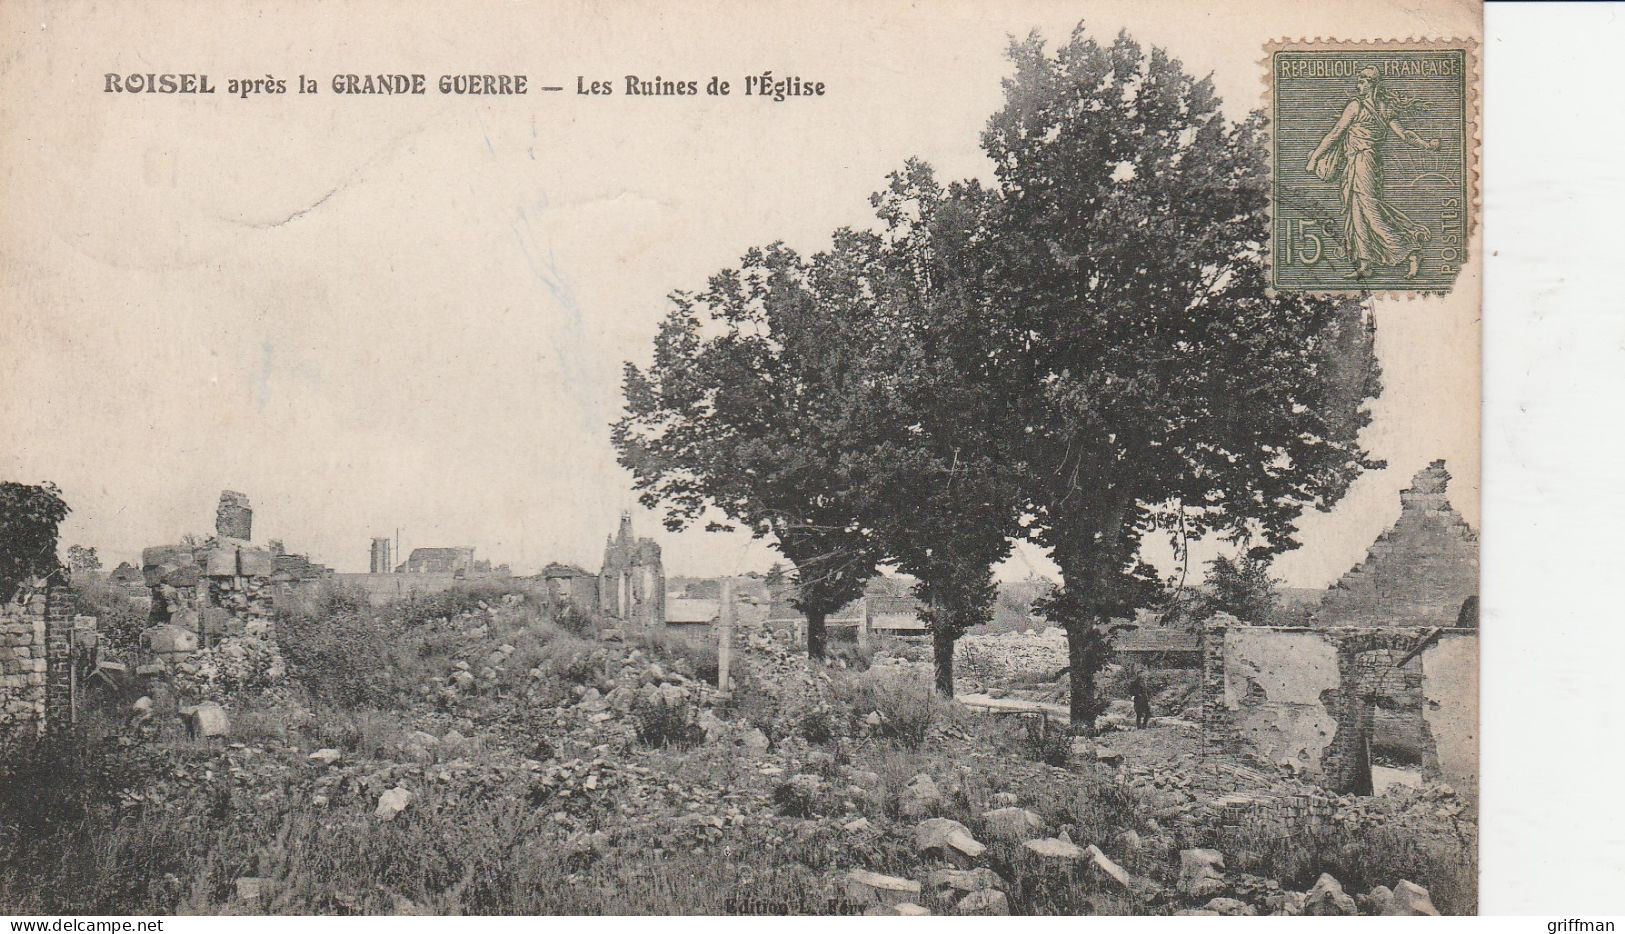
(29, 516)
(1167, 387)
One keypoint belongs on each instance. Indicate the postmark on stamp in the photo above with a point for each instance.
(1373, 155)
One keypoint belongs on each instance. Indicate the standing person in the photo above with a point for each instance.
(1376, 232)
(1141, 693)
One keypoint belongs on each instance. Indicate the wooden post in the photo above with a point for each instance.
(863, 623)
(725, 635)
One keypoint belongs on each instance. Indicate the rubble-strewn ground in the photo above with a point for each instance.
(468, 755)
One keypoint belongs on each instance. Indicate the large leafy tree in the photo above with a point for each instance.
(1242, 587)
(940, 489)
(1167, 387)
(745, 410)
(29, 516)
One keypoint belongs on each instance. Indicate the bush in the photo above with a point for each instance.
(573, 660)
(47, 784)
(666, 720)
(757, 706)
(697, 654)
(572, 620)
(818, 724)
(1046, 742)
(348, 659)
(906, 707)
(120, 618)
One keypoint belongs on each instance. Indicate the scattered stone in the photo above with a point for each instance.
(1376, 901)
(1409, 899)
(1007, 799)
(1110, 869)
(206, 720)
(253, 888)
(754, 742)
(910, 910)
(940, 836)
(858, 826)
(985, 902)
(1327, 898)
(920, 797)
(392, 802)
(1012, 824)
(1050, 848)
(1230, 908)
(865, 887)
(143, 704)
(964, 880)
(325, 756)
(1201, 872)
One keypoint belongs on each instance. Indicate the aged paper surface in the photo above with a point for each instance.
(1023, 539)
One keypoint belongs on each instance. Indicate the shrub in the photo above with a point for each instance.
(818, 724)
(666, 720)
(120, 618)
(1046, 742)
(906, 707)
(573, 660)
(757, 706)
(48, 783)
(347, 659)
(697, 654)
(570, 619)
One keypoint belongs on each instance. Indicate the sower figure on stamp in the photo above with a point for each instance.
(1377, 233)
(1141, 693)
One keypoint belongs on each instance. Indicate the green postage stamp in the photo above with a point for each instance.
(1374, 161)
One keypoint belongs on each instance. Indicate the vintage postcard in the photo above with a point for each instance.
(721, 458)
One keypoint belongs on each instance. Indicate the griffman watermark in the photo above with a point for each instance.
(1577, 924)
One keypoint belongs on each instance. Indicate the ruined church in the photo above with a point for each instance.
(632, 583)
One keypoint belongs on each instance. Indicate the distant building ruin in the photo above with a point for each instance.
(216, 589)
(632, 582)
(1386, 671)
(233, 518)
(382, 557)
(568, 585)
(1421, 572)
(455, 560)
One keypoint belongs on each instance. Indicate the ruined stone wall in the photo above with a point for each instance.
(1274, 688)
(1323, 698)
(1418, 573)
(41, 641)
(22, 665)
(1450, 710)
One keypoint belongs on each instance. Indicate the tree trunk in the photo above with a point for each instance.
(942, 647)
(816, 637)
(1081, 700)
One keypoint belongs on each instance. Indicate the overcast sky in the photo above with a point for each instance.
(381, 313)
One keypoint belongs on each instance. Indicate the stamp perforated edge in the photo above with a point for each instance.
(1472, 143)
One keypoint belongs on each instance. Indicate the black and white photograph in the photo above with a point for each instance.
(551, 458)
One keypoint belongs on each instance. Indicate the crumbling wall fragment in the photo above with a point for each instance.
(1450, 709)
(1274, 682)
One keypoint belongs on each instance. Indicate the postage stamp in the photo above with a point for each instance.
(1373, 161)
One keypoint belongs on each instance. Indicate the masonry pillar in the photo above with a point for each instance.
(1217, 736)
(59, 712)
(725, 635)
